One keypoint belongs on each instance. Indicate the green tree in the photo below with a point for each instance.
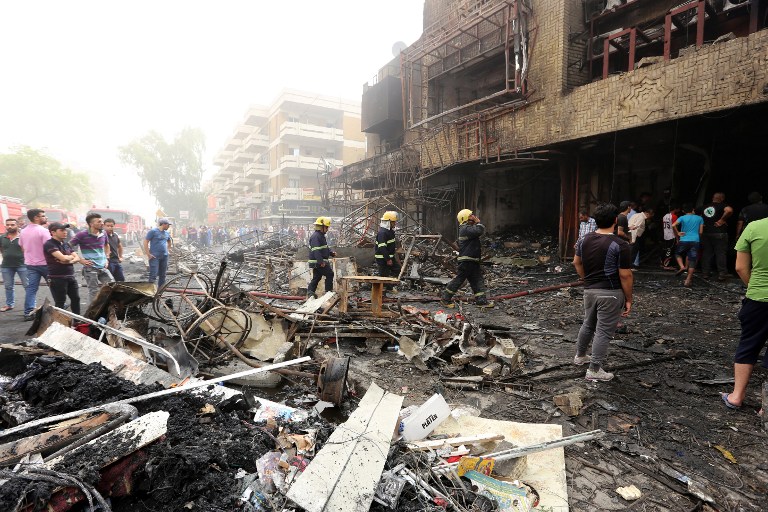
(38, 179)
(173, 172)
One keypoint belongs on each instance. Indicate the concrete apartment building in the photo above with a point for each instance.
(527, 110)
(268, 170)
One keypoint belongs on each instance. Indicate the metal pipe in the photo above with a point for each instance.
(514, 453)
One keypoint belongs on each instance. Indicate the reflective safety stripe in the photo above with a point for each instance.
(311, 261)
(383, 244)
(391, 241)
(479, 293)
(318, 248)
(467, 258)
(380, 256)
(462, 238)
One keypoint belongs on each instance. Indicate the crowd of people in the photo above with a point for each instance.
(606, 254)
(44, 251)
(208, 236)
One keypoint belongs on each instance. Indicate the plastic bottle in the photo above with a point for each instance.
(422, 422)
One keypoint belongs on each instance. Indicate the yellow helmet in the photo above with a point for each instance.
(327, 221)
(321, 222)
(463, 215)
(390, 216)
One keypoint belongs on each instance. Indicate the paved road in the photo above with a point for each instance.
(12, 324)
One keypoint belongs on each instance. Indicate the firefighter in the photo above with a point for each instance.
(470, 231)
(386, 259)
(318, 257)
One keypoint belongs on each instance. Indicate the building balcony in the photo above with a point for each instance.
(222, 157)
(232, 168)
(291, 130)
(257, 169)
(243, 156)
(243, 131)
(256, 142)
(304, 163)
(241, 182)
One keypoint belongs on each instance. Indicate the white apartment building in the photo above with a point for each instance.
(268, 169)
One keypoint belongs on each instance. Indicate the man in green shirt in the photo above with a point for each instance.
(13, 262)
(752, 267)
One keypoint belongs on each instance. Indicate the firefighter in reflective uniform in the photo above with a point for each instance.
(318, 257)
(386, 243)
(470, 231)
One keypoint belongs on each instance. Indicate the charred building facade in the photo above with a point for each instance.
(528, 110)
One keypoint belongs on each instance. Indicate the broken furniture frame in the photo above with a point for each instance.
(147, 346)
(377, 292)
(425, 253)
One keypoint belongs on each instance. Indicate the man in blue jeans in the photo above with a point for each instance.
(157, 245)
(31, 240)
(13, 262)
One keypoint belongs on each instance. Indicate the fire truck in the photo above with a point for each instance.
(12, 208)
(60, 215)
(126, 224)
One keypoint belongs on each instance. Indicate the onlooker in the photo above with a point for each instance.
(94, 246)
(115, 263)
(714, 242)
(157, 245)
(13, 262)
(688, 228)
(756, 210)
(752, 267)
(319, 252)
(603, 261)
(670, 239)
(61, 259)
(31, 241)
(637, 226)
(470, 251)
(586, 225)
(622, 221)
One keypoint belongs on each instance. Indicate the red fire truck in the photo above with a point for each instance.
(126, 225)
(60, 215)
(11, 208)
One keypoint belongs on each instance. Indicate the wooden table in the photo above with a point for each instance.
(377, 291)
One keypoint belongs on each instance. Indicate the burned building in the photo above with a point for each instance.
(527, 110)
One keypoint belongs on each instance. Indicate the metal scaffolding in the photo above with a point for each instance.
(475, 31)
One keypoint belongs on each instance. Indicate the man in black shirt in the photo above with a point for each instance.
(603, 260)
(714, 241)
(13, 262)
(756, 210)
(622, 222)
(61, 261)
(115, 261)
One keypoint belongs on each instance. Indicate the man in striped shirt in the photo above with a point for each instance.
(586, 225)
(94, 246)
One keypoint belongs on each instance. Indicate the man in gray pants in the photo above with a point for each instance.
(604, 261)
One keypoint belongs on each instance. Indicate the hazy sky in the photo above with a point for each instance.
(81, 78)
